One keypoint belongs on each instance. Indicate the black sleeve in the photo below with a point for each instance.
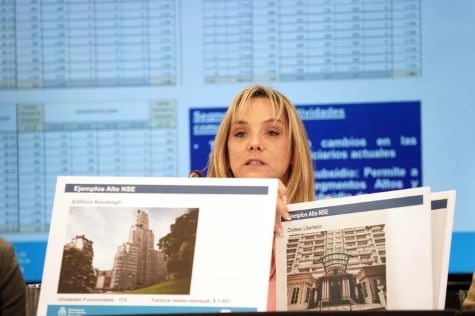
(12, 284)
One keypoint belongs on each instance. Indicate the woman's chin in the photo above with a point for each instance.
(255, 174)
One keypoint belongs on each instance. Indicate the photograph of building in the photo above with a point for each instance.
(143, 261)
(137, 263)
(342, 269)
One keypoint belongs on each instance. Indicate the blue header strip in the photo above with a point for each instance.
(136, 310)
(438, 204)
(165, 189)
(358, 207)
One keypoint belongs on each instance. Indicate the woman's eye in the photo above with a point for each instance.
(239, 134)
(273, 133)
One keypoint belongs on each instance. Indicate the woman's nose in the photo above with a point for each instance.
(255, 146)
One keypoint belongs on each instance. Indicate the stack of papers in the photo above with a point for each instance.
(381, 251)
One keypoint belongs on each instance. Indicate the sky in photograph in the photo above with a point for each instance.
(108, 228)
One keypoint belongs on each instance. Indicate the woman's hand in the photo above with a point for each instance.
(282, 211)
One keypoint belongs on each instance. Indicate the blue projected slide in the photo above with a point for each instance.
(356, 148)
(27, 253)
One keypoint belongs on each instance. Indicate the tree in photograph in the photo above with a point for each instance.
(179, 245)
(77, 273)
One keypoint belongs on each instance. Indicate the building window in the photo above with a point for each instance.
(295, 296)
(365, 291)
(307, 295)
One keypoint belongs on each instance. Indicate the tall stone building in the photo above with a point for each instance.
(81, 243)
(344, 267)
(137, 264)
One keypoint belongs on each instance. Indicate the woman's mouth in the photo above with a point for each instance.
(254, 162)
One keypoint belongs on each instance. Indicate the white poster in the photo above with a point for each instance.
(123, 245)
(366, 252)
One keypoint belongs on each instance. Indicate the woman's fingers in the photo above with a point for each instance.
(282, 208)
(282, 211)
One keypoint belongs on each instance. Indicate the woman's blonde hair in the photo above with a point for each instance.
(300, 184)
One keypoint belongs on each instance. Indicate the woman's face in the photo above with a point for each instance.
(258, 144)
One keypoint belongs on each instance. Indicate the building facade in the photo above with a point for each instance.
(136, 263)
(338, 269)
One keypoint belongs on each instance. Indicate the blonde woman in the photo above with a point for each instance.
(262, 136)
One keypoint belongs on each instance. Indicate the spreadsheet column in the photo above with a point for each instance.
(320, 40)
(163, 33)
(265, 40)
(9, 217)
(55, 43)
(293, 38)
(377, 41)
(81, 43)
(134, 59)
(58, 156)
(122, 148)
(29, 61)
(163, 138)
(7, 45)
(407, 38)
(109, 41)
(137, 150)
(31, 170)
(84, 161)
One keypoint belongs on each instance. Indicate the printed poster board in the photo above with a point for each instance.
(367, 252)
(123, 245)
